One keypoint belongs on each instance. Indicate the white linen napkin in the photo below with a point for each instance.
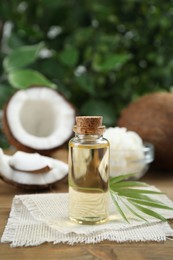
(35, 219)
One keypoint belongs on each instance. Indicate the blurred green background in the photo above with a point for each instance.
(99, 54)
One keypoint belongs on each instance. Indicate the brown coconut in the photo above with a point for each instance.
(151, 116)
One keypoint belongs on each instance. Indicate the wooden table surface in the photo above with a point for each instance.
(105, 250)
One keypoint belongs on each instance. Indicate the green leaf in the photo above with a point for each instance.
(134, 195)
(21, 57)
(153, 203)
(25, 78)
(133, 212)
(119, 208)
(149, 212)
(86, 83)
(14, 41)
(110, 62)
(128, 192)
(124, 189)
(69, 56)
(127, 184)
(119, 178)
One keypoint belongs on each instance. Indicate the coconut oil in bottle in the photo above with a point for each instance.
(88, 172)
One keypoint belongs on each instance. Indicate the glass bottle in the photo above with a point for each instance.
(88, 172)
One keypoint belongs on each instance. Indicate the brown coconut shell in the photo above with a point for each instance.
(19, 145)
(151, 116)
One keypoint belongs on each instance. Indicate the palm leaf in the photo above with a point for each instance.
(120, 188)
(119, 208)
(151, 203)
(120, 178)
(127, 184)
(133, 212)
(135, 191)
(149, 212)
(141, 197)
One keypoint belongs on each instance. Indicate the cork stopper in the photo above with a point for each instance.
(89, 125)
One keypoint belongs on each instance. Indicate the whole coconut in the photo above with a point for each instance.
(151, 116)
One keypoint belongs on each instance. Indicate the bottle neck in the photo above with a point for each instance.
(88, 137)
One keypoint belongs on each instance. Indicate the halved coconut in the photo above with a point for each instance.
(38, 119)
(30, 180)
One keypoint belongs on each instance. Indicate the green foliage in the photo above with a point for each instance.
(25, 78)
(69, 57)
(100, 54)
(129, 199)
(21, 57)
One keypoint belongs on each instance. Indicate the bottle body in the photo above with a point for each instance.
(88, 179)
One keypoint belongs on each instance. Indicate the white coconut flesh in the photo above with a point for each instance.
(58, 172)
(29, 162)
(40, 118)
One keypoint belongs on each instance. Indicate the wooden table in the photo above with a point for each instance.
(105, 250)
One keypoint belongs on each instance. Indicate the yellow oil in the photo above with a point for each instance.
(88, 183)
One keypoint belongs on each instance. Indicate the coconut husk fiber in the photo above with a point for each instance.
(151, 116)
